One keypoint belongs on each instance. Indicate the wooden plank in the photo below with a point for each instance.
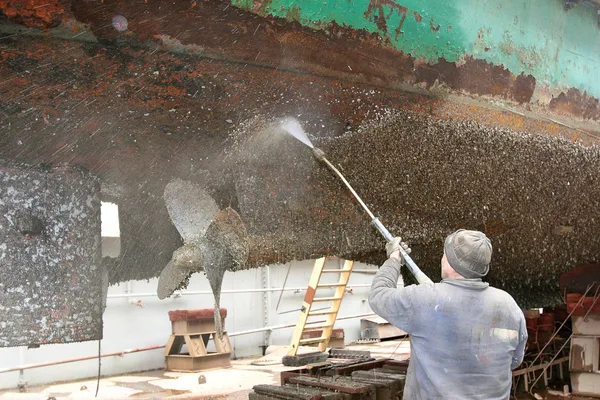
(306, 305)
(311, 341)
(195, 345)
(398, 366)
(333, 298)
(178, 342)
(185, 363)
(330, 285)
(194, 327)
(316, 326)
(389, 386)
(356, 367)
(169, 345)
(315, 313)
(381, 373)
(341, 384)
(256, 396)
(222, 345)
(291, 392)
(324, 394)
(285, 376)
(315, 357)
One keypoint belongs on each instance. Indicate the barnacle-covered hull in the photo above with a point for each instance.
(192, 92)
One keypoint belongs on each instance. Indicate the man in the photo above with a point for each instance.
(466, 336)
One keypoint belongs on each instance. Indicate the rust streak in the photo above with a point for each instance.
(380, 19)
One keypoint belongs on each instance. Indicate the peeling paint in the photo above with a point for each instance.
(531, 37)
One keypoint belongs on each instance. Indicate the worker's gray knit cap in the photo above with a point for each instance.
(469, 253)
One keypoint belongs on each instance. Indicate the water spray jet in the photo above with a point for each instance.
(293, 127)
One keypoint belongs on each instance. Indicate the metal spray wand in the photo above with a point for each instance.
(412, 266)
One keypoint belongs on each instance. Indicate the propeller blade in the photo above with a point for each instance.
(225, 247)
(190, 207)
(228, 236)
(185, 261)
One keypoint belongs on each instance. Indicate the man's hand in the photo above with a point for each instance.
(393, 248)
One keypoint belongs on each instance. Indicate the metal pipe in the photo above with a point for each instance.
(412, 266)
(190, 293)
(271, 328)
(156, 347)
(282, 289)
(266, 304)
(51, 363)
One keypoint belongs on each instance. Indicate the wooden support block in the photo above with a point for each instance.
(382, 389)
(388, 373)
(256, 396)
(182, 327)
(296, 392)
(398, 366)
(388, 386)
(350, 354)
(341, 384)
(304, 359)
(355, 367)
(195, 321)
(315, 391)
(185, 363)
(197, 357)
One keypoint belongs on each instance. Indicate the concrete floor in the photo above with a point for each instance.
(225, 383)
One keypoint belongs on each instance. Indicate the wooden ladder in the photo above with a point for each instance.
(331, 314)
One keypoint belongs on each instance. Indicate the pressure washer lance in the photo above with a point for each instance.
(412, 266)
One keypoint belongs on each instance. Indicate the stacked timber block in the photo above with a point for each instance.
(194, 329)
(368, 380)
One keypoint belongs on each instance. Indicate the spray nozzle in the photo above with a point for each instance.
(318, 153)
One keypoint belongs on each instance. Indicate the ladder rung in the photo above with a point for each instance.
(331, 285)
(311, 341)
(310, 314)
(336, 270)
(326, 298)
(315, 327)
